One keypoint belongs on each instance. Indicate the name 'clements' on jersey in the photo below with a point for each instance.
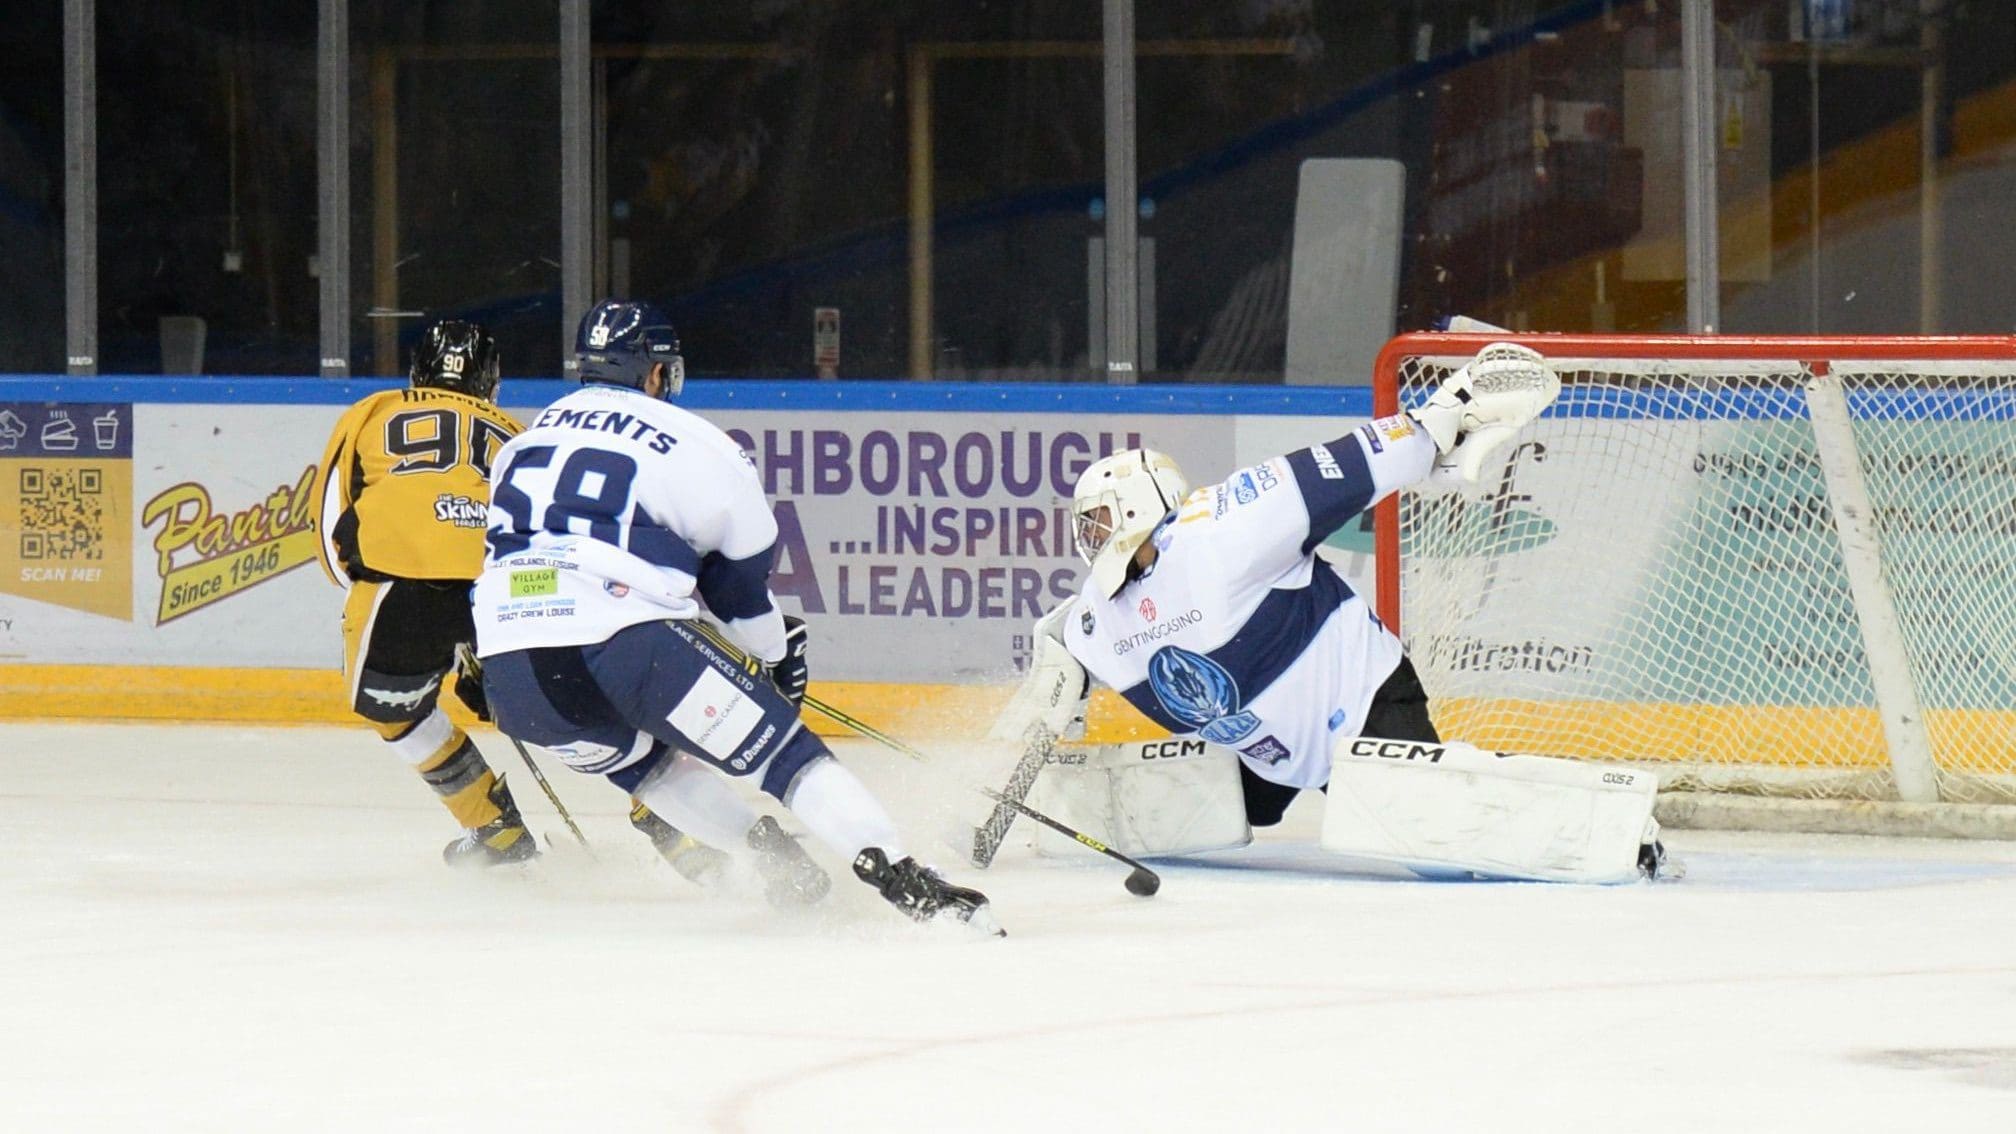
(404, 485)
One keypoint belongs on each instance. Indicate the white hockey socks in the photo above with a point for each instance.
(840, 811)
(699, 801)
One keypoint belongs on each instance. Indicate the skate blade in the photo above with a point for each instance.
(980, 921)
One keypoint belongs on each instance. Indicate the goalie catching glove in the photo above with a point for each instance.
(1479, 408)
(790, 673)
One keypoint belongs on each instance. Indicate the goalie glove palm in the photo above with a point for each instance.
(791, 674)
(1480, 407)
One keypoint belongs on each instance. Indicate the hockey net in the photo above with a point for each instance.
(1772, 568)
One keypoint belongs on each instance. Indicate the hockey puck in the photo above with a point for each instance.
(1143, 883)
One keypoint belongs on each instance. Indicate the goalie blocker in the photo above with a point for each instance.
(1434, 809)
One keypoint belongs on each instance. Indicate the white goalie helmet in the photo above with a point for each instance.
(1118, 502)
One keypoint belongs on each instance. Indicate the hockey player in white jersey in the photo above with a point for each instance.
(627, 625)
(1211, 614)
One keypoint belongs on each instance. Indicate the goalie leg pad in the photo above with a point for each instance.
(1434, 808)
(1156, 797)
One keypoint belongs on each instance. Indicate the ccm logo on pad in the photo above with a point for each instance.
(1397, 750)
(1171, 749)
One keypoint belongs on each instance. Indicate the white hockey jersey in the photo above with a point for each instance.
(615, 508)
(1239, 634)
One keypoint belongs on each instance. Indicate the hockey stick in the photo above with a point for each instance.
(472, 665)
(865, 729)
(1143, 881)
(552, 796)
(988, 836)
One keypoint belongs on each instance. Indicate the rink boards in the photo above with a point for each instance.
(158, 552)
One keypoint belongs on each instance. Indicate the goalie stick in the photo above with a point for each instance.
(1142, 881)
(987, 839)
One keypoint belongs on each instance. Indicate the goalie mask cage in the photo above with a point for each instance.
(1779, 570)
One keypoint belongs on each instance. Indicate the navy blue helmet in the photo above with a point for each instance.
(619, 342)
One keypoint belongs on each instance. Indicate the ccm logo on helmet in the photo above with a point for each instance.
(1397, 750)
(1171, 749)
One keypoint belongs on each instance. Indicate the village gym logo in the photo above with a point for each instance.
(205, 556)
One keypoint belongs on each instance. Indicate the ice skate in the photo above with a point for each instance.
(790, 877)
(504, 839)
(698, 863)
(1658, 866)
(921, 894)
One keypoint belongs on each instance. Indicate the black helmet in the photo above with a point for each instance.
(454, 355)
(619, 342)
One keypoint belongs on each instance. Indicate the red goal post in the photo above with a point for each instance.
(1771, 567)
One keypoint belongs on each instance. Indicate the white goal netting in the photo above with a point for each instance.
(1781, 567)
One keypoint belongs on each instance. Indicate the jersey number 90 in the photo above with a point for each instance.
(431, 440)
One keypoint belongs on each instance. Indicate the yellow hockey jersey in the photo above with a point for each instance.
(405, 486)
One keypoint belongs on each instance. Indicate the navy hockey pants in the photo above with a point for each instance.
(615, 708)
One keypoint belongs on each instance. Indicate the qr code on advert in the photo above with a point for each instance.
(62, 514)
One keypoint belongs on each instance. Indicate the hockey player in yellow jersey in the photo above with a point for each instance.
(404, 490)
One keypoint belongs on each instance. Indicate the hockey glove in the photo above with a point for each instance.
(469, 683)
(791, 674)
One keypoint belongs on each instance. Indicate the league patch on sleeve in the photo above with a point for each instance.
(1399, 427)
(1267, 750)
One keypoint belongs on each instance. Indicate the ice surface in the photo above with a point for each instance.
(249, 929)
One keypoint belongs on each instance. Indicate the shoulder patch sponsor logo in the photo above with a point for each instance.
(1326, 464)
(1243, 488)
(460, 510)
(1085, 623)
(1398, 427)
(1371, 436)
(1147, 609)
(1268, 750)
(615, 588)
